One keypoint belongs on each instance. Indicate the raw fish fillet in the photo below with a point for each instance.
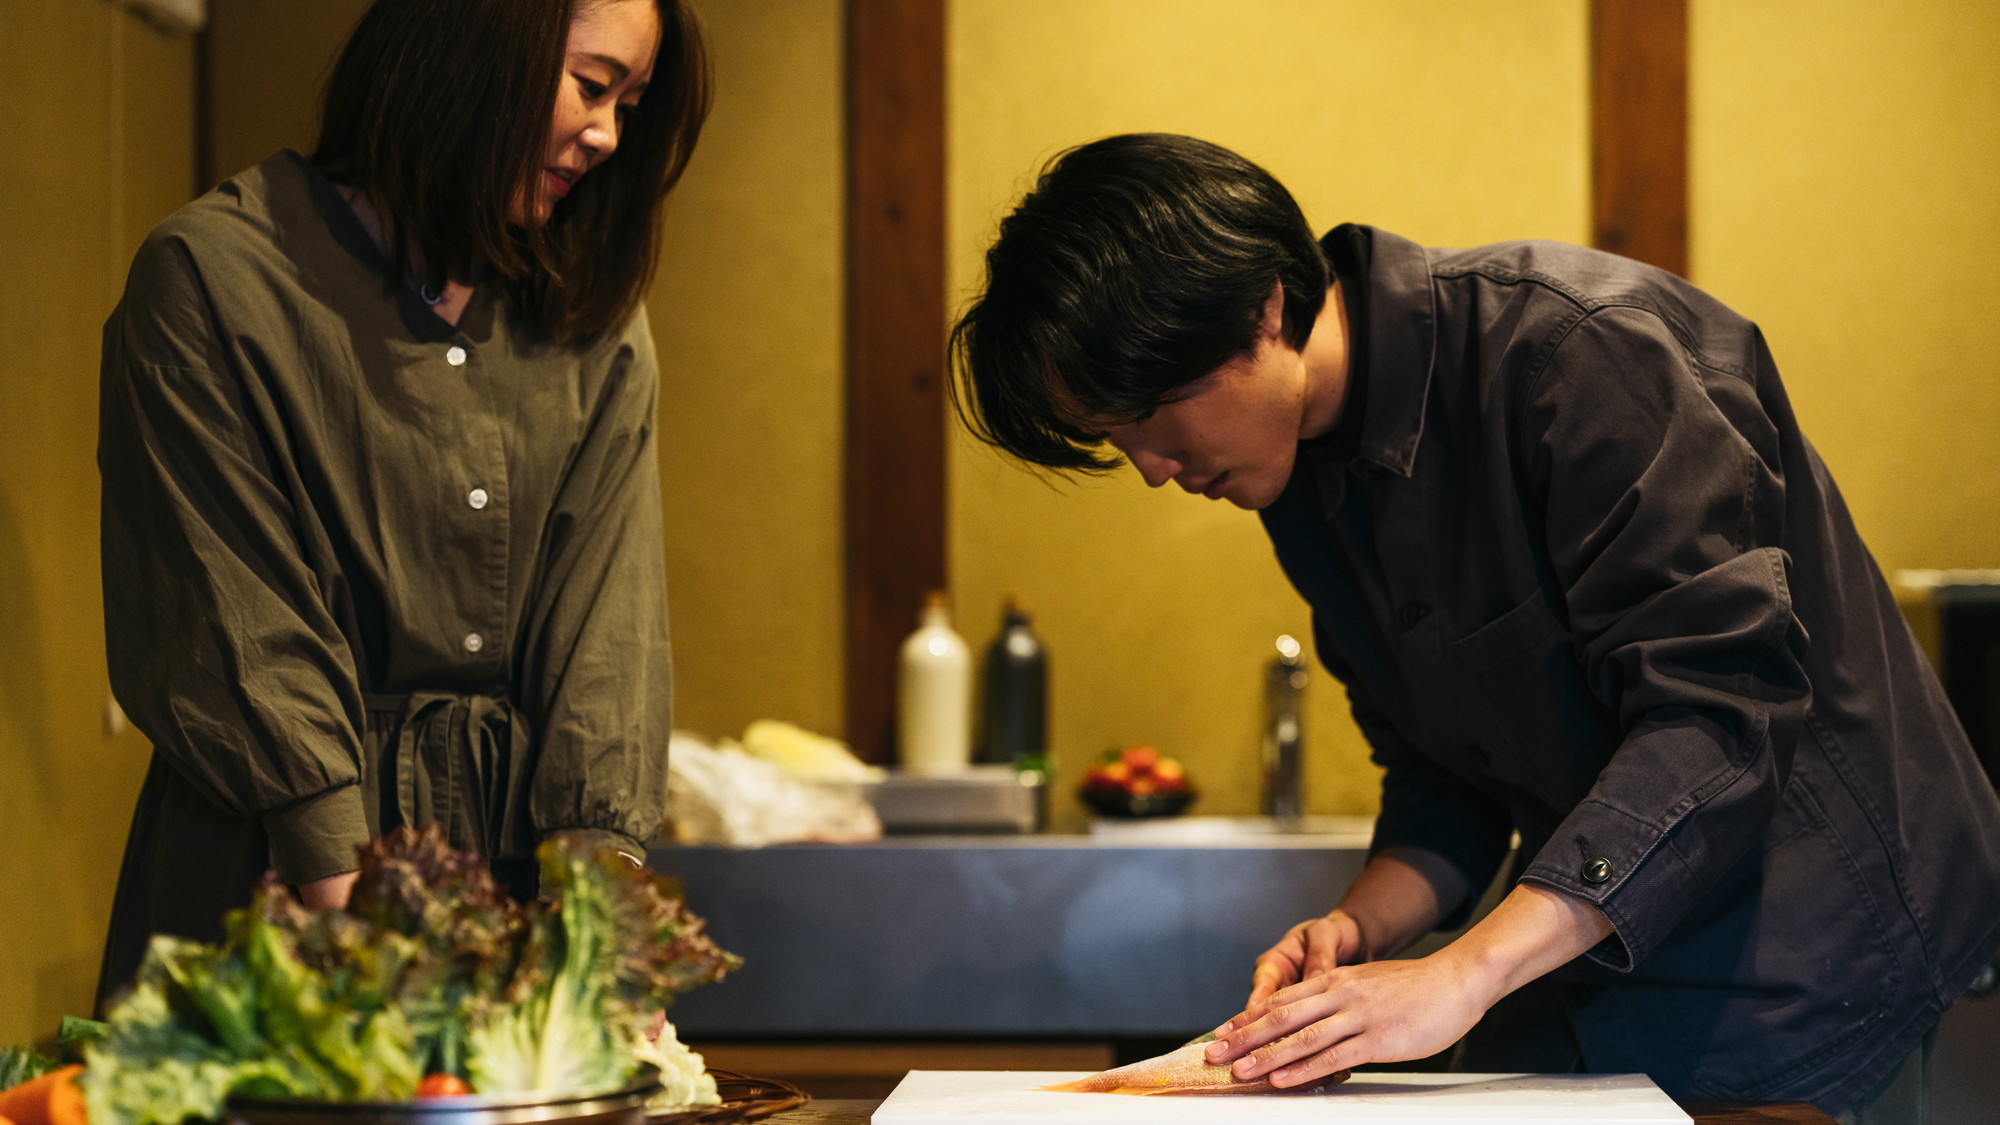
(1183, 1070)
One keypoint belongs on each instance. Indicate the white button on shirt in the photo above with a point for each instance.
(474, 642)
(476, 498)
(454, 355)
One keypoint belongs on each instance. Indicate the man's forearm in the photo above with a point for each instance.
(1532, 931)
(1399, 898)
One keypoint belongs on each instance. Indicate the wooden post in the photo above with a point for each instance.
(895, 489)
(1638, 118)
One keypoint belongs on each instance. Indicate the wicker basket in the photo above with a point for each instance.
(743, 1099)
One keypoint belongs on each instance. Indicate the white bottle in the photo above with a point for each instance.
(934, 694)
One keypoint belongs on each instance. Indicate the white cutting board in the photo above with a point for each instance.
(1010, 1097)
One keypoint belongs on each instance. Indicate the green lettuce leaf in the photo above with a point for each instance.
(19, 1064)
(559, 1028)
(158, 1061)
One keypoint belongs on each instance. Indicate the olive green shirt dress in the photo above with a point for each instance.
(363, 568)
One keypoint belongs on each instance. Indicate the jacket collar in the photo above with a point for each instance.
(1399, 348)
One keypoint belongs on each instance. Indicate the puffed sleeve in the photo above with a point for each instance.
(599, 669)
(219, 643)
(1424, 805)
(1664, 505)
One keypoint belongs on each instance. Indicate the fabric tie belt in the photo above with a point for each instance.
(461, 761)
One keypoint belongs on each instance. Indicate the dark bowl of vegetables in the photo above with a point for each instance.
(430, 999)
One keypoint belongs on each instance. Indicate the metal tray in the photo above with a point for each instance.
(979, 799)
(619, 1107)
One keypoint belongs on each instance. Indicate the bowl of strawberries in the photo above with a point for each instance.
(1136, 781)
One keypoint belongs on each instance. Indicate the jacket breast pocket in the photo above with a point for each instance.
(1530, 710)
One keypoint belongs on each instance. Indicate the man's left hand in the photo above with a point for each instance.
(1383, 1011)
(1390, 1011)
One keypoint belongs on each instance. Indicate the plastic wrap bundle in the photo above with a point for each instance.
(719, 794)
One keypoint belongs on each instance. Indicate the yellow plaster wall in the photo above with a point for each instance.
(1450, 122)
(98, 139)
(267, 60)
(1843, 167)
(747, 310)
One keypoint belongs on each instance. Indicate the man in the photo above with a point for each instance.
(1583, 579)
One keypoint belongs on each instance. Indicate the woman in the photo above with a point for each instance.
(381, 508)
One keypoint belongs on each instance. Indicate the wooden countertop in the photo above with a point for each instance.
(858, 1111)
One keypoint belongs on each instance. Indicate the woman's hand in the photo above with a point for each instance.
(1384, 1011)
(1308, 949)
(330, 892)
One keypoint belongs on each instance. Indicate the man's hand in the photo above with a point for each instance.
(1396, 899)
(1384, 1011)
(1308, 949)
(330, 892)
(1390, 1011)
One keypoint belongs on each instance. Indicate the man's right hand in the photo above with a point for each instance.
(330, 892)
(1396, 899)
(1307, 949)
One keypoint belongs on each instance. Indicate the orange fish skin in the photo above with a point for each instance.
(1184, 1070)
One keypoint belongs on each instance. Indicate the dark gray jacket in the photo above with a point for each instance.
(1585, 579)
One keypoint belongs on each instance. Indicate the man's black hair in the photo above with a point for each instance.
(1138, 264)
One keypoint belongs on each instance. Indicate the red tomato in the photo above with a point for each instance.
(442, 1086)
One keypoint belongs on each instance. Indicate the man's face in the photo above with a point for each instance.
(1235, 432)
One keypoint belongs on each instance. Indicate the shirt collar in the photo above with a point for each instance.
(1391, 354)
(299, 184)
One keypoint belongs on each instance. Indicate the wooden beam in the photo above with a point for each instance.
(1638, 118)
(895, 489)
(204, 116)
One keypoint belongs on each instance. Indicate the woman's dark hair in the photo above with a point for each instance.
(438, 111)
(1137, 265)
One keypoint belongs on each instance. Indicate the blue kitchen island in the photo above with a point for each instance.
(1149, 932)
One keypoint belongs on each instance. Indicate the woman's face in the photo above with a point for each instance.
(606, 66)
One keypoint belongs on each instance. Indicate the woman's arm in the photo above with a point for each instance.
(330, 893)
(219, 644)
(598, 672)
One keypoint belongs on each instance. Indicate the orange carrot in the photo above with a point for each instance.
(52, 1099)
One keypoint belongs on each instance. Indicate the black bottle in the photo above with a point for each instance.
(1014, 726)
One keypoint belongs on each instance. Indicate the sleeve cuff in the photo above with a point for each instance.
(1624, 867)
(317, 836)
(600, 839)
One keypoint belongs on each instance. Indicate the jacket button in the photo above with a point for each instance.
(1413, 612)
(1597, 871)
